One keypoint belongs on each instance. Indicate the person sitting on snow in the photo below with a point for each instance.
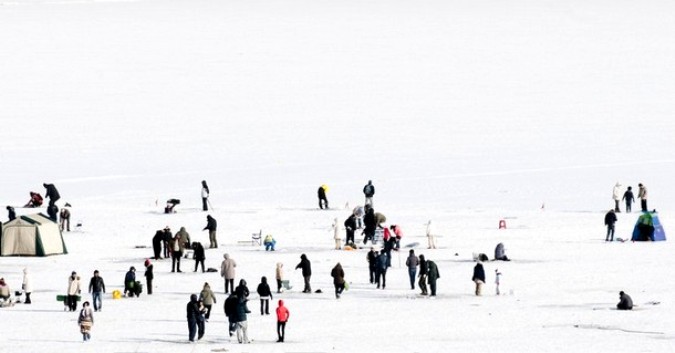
(170, 204)
(626, 303)
(5, 293)
(269, 242)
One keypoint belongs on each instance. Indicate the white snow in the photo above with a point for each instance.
(462, 112)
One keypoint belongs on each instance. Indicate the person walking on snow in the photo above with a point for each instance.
(96, 288)
(323, 201)
(207, 298)
(205, 196)
(616, 195)
(227, 271)
(478, 277)
(642, 195)
(629, 197)
(369, 191)
(211, 226)
(86, 321)
(610, 219)
(279, 275)
(338, 275)
(282, 318)
(195, 319)
(199, 255)
(423, 275)
(350, 226)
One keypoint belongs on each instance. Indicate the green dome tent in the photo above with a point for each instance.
(31, 235)
(648, 227)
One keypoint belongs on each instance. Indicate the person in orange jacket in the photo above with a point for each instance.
(282, 317)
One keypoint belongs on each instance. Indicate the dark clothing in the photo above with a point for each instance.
(370, 224)
(369, 190)
(610, 219)
(625, 303)
(381, 270)
(424, 269)
(350, 227)
(149, 276)
(306, 267)
(323, 201)
(195, 319)
(51, 193)
(500, 253)
(433, 275)
(372, 259)
(265, 294)
(53, 212)
(338, 275)
(96, 284)
(478, 273)
(630, 198)
(11, 213)
(242, 290)
(211, 223)
(199, 255)
(157, 244)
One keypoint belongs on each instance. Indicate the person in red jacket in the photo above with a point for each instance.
(282, 317)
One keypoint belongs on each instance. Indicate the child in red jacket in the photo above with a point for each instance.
(282, 317)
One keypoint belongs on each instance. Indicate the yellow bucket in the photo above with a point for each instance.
(117, 294)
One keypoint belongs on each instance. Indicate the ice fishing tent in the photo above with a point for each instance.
(31, 235)
(648, 227)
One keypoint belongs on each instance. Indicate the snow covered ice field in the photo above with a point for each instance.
(462, 112)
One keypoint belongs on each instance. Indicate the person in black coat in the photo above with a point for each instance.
(306, 267)
(11, 214)
(265, 294)
(323, 201)
(350, 227)
(370, 224)
(424, 271)
(51, 193)
(157, 241)
(478, 277)
(625, 302)
(230, 307)
(199, 255)
(165, 241)
(629, 197)
(149, 275)
(195, 319)
(610, 219)
(372, 261)
(381, 269)
(53, 212)
(369, 191)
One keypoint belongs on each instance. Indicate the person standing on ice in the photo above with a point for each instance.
(369, 191)
(205, 196)
(27, 285)
(424, 270)
(431, 237)
(11, 214)
(381, 269)
(610, 219)
(629, 197)
(372, 263)
(207, 298)
(149, 275)
(337, 236)
(412, 262)
(199, 255)
(498, 279)
(51, 193)
(432, 275)
(642, 195)
(73, 291)
(370, 223)
(176, 246)
(616, 196)
(279, 274)
(195, 319)
(265, 294)
(212, 226)
(478, 277)
(323, 201)
(64, 216)
(306, 267)
(282, 318)
(227, 271)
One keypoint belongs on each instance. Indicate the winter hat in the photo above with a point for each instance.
(147, 262)
(132, 268)
(73, 273)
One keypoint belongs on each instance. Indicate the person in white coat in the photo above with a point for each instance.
(616, 196)
(27, 286)
(73, 291)
(431, 237)
(337, 234)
